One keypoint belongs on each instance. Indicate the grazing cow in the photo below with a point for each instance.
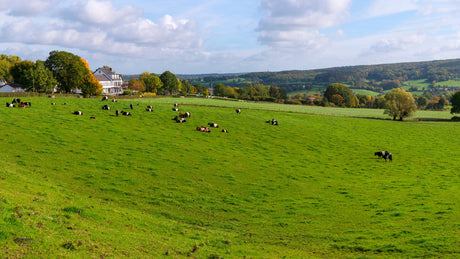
(105, 98)
(225, 131)
(149, 109)
(380, 154)
(175, 109)
(149, 106)
(187, 114)
(176, 105)
(125, 113)
(238, 111)
(213, 125)
(106, 107)
(388, 155)
(131, 106)
(117, 112)
(78, 113)
(16, 100)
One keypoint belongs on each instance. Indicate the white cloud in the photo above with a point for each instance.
(25, 7)
(294, 23)
(388, 7)
(99, 26)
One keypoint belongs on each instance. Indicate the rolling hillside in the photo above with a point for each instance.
(144, 186)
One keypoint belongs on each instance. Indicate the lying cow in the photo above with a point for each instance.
(149, 109)
(125, 113)
(175, 109)
(78, 113)
(213, 125)
(105, 98)
(203, 129)
(9, 105)
(225, 131)
(106, 107)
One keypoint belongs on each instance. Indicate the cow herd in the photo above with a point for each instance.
(180, 118)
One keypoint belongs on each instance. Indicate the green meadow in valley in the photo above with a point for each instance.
(145, 186)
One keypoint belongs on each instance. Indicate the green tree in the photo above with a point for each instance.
(151, 81)
(44, 81)
(187, 88)
(219, 89)
(340, 89)
(200, 89)
(399, 103)
(170, 82)
(455, 100)
(67, 68)
(23, 73)
(6, 62)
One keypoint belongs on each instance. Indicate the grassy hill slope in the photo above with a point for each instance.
(145, 186)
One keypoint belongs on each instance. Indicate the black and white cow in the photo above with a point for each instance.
(106, 107)
(125, 113)
(225, 131)
(175, 109)
(238, 111)
(105, 98)
(213, 125)
(388, 155)
(78, 113)
(149, 109)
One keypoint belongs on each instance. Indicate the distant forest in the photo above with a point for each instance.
(377, 78)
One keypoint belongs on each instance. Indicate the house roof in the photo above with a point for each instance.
(101, 77)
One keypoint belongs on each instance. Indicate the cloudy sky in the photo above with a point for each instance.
(221, 36)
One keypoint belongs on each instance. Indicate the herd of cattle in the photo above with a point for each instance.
(181, 118)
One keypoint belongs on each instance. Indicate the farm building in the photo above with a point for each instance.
(111, 82)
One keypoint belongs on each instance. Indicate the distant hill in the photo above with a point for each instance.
(377, 78)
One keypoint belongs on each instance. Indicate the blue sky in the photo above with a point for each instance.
(221, 36)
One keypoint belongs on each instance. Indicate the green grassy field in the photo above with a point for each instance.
(146, 187)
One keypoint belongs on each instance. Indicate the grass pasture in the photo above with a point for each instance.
(146, 187)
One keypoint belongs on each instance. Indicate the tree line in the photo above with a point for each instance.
(258, 92)
(61, 71)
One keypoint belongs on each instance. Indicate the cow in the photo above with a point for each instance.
(9, 105)
(117, 112)
(92, 117)
(125, 113)
(225, 131)
(131, 106)
(175, 109)
(149, 109)
(106, 107)
(181, 120)
(114, 100)
(203, 129)
(388, 155)
(176, 105)
(78, 113)
(213, 125)
(53, 103)
(274, 122)
(238, 111)
(64, 103)
(380, 154)
(16, 100)
(105, 98)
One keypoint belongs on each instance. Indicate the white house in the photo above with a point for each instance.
(10, 88)
(111, 82)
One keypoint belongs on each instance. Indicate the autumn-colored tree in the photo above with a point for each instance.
(136, 85)
(337, 99)
(355, 102)
(90, 85)
(399, 103)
